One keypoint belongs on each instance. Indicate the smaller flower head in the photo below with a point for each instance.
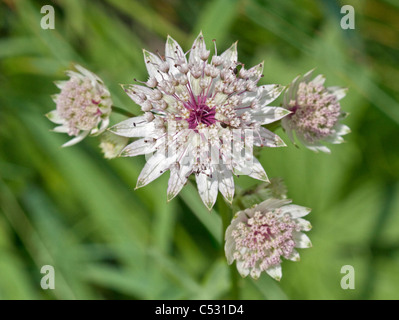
(315, 112)
(112, 145)
(83, 105)
(259, 237)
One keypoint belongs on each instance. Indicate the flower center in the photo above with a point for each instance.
(315, 112)
(201, 113)
(78, 103)
(263, 239)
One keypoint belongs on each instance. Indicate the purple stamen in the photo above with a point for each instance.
(201, 114)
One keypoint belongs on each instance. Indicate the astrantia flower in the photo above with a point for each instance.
(83, 105)
(112, 145)
(199, 116)
(259, 237)
(316, 112)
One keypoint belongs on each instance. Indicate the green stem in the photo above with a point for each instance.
(226, 213)
(123, 112)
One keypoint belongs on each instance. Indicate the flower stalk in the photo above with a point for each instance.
(226, 213)
(123, 112)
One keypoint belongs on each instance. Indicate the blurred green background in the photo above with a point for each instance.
(72, 209)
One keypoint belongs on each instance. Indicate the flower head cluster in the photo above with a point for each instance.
(206, 109)
(259, 237)
(316, 112)
(83, 105)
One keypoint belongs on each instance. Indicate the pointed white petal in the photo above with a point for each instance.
(230, 56)
(271, 204)
(60, 84)
(73, 74)
(87, 73)
(294, 256)
(319, 147)
(77, 139)
(258, 172)
(229, 248)
(275, 272)
(103, 125)
(290, 94)
(133, 91)
(61, 129)
(295, 211)
(342, 129)
(266, 138)
(178, 179)
(226, 183)
(196, 49)
(230, 245)
(134, 127)
(269, 93)
(301, 240)
(319, 80)
(264, 94)
(258, 71)
(308, 75)
(334, 139)
(54, 117)
(179, 172)
(316, 147)
(238, 217)
(255, 273)
(339, 92)
(207, 188)
(268, 114)
(304, 224)
(154, 168)
(152, 63)
(241, 270)
(173, 54)
(175, 184)
(139, 147)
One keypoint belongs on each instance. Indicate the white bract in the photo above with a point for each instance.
(315, 112)
(112, 145)
(200, 117)
(83, 106)
(259, 237)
